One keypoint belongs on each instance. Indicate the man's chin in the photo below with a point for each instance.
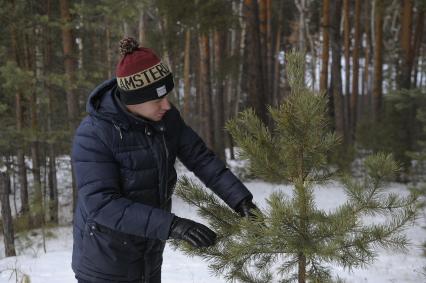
(156, 118)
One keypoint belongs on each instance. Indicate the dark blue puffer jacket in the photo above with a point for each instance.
(124, 167)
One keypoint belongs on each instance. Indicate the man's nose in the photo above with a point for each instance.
(165, 104)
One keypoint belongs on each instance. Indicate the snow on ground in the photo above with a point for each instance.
(55, 265)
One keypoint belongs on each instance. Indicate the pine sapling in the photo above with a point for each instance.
(291, 239)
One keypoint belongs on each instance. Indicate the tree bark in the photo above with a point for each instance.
(52, 178)
(366, 99)
(378, 59)
(8, 233)
(301, 268)
(234, 85)
(108, 50)
(301, 7)
(336, 78)
(406, 46)
(186, 73)
(355, 72)
(254, 79)
(205, 84)
(242, 51)
(69, 66)
(53, 185)
(265, 44)
(325, 45)
(141, 28)
(220, 45)
(305, 35)
(34, 145)
(20, 153)
(418, 39)
(347, 38)
(269, 54)
(277, 70)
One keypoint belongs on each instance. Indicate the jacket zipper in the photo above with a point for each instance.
(166, 181)
(119, 130)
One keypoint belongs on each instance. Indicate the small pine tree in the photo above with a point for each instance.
(291, 237)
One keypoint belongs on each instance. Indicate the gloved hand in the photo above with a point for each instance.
(245, 208)
(196, 234)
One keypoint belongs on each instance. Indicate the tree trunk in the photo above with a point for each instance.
(347, 79)
(141, 28)
(69, 62)
(302, 202)
(205, 84)
(277, 70)
(53, 186)
(8, 233)
(186, 73)
(234, 85)
(366, 99)
(405, 40)
(20, 153)
(418, 38)
(269, 54)
(199, 92)
(325, 45)
(254, 79)
(378, 59)
(355, 72)
(336, 79)
(220, 45)
(108, 50)
(346, 34)
(265, 45)
(305, 35)
(301, 7)
(52, 178)
(69, 66)
(242, 51)
(365, 79)
(35, 155)
(302, 268)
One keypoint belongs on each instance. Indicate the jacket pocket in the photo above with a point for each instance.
(110, 254)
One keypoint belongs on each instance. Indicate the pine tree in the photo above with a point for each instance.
(291, 237)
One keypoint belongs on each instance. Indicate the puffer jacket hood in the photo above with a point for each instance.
(103, 103)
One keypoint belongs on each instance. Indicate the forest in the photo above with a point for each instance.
(368, 58)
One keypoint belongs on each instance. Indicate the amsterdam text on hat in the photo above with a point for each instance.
(141, 75)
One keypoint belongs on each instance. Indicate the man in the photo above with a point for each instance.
(123, 155)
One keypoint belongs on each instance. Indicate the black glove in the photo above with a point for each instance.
(196, 234)
(245, 208)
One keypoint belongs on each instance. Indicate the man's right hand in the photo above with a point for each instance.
(196, 234)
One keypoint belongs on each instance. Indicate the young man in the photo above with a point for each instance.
(123, 155)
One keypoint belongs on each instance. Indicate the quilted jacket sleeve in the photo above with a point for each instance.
(195, 155)
(98, 181)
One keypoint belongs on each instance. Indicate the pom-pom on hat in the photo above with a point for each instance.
(141, 75)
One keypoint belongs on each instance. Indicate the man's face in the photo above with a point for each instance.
(153, 110)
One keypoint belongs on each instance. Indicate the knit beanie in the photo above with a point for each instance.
(141, 75)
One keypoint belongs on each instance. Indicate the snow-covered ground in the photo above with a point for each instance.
(55, 265)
